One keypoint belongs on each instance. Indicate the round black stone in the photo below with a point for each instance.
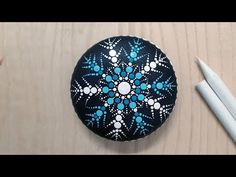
(123, 88)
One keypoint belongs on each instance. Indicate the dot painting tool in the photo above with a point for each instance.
(123, 88)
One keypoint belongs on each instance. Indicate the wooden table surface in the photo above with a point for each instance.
(36, 113)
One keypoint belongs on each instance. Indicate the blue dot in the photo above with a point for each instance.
(141, 97)
(129, 69)
(138, 75)
(117, 100)
(133, 54)
(92, 65)
(136, 82)
(115, 77)
(96, 68)
(105, 89)
(126, 101)
(117, 70)
(99, 113)
(131, 76)
(143, 86)
(132, 105)
(110, 101)
(111, 85)
(111, 94)
(138, 119)
(159, 85)
(138, 90)
(153, 86)
(108, 78)
(133, 98)
(120, 106)
(123, 73)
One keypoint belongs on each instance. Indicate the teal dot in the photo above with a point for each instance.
(143, 86)
(115, 77)
(99, 113)
(96, 68)
(100, 72)
(159, 85)
(137, 90)
(108, 78)
(103, 108)
(153, 86)
(133, 98)
(117, 100)
(123, 74)
(117, 70)
(126, 101)
(138, 119)
(132, 105)
(110, 101)
(111, 94)
(120, 106)
(129, 69)
(136, 113)
(136, 82)
(141, 97)
(105, 89)
(131, 60)
(138, 75)
(92, 65)
(131, 76)
(93, 119)
(111, 85)
(133, 54)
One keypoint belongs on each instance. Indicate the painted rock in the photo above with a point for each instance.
(123, 88)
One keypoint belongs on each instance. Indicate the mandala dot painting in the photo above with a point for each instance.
(123, 88)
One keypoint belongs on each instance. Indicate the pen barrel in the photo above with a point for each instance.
(223, 94)
(219, 109)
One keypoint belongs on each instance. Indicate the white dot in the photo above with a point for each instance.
(90, 94)
(151, 102)
(142, 71)
(130, 64)
(132, 92)
(117, 125)
(147, 68)
(153, 64)
(115, 64)
(128, 96)
(114, 59)
(112, 53)
(157, 105)
(99, 89)
(120, 78)
(135, 110)
(133, 86)
(122, 97)
(116, 83)
(124, 88)
(118, 117)
(151, 107)
(119, 111)
(86, 90)
(104, 75)
(117, 94)
(145, 99)
(94, 90)
(114, 89)
(111, 47)
(131, 81)
(126, 78)
(105, 104)
(149, 86)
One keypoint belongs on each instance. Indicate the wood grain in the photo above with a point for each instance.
(36, 114)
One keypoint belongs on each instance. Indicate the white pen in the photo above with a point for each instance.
(219, 87)
(223, 115)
